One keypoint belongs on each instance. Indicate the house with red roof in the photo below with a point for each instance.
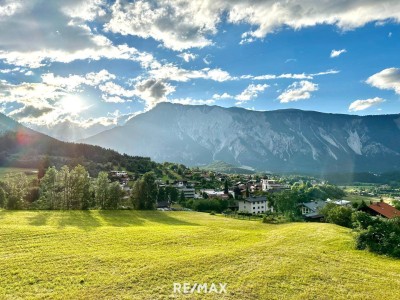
(383, 209)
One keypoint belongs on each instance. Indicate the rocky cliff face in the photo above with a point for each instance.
(283, 140)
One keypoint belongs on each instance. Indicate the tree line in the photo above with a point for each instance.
(73, 189)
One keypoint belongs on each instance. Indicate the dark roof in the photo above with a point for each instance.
(385, 210)
(255, 199)
(315, 206)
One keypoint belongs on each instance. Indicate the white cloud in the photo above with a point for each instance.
(111, 88)
(190, 101)
(187, 56)
(222, 96)
(289, 75)
(251, 92)
(387, 79)
(49, 100)
(184, 24)
(364, 104)
(179, 25)
(67, 36)
(112, 99)
(336, 53)
(173, 73)
(153, 91)
(298, 91)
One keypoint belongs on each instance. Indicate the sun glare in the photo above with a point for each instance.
(72, 104)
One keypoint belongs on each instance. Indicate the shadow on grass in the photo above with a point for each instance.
(139, 218)
(92, 219)
(85, 220)
(40, 218)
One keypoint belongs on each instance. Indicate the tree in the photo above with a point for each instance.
(16, 188)
(339, 215)
(101, 191)
(237, 192)
(286, 202)
(64, 186)
(79, 188)
(44, 164)
(3, 198)
(48, 189)
(114, 196)
(161, 195)
(145, 191)
(182, 197)
(247, 192)
(226, 189)
(173, 195)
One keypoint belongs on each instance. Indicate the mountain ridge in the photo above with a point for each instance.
(278, 141)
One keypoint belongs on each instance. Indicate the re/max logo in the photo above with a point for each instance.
(199, 288)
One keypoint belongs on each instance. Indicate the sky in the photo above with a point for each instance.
(99, 62)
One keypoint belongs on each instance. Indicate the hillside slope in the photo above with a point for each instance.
(139, 255)
(283, 140)
(23, 147)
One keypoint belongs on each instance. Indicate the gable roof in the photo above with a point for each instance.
(315, 205)
(255, 199)
(385, 209)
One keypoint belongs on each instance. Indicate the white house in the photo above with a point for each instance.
(254, 205)
(272, 185)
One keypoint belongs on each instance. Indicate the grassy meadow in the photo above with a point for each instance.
(139, 255)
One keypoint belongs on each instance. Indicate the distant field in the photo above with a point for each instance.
(139, 255)
(358, 198)
(10, 171)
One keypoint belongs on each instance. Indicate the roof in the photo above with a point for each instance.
(255, 199)
(339, 202)
(385, 210)
(315, 205)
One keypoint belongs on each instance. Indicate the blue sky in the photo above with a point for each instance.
(98, 63)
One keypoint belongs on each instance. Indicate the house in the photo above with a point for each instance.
(217, 194)
(183, 186)
(272, 185)
(382, 209)
(311, 210)
(118, 174)
(254, 205)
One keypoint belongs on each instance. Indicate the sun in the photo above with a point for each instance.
(72, 104)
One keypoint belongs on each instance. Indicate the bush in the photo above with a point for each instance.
(382, 237)
(339, 215)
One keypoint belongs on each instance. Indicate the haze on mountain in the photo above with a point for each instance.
(278, 141)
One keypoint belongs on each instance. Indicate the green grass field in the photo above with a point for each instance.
(139, 255)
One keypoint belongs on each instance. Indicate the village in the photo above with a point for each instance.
(257, 194)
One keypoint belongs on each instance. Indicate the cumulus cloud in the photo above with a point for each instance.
(179, 25)
(184, 24)
(153, 91)
(298, 91)
(387, 79)
(35, 33)
(364, 104)
(251, 92)
(187, 56)
(30, 111)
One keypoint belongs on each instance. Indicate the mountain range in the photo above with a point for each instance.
(277, 141)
